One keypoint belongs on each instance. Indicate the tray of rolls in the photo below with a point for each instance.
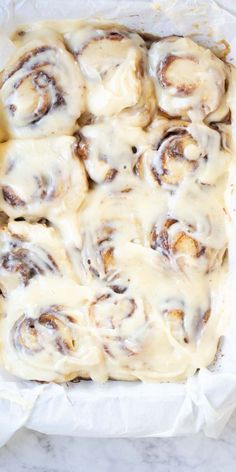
(117, 216)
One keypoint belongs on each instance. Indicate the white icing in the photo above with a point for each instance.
(192, 83)
(48, 362)
(114, 71)
(35, 96)
(45, 175)
(29, 250)
(136, 288)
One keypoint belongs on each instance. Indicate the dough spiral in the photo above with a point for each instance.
(56, 180)
(190, 80)
(34, 90)
(114, 66)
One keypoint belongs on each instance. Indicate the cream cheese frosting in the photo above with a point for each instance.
(35, 98)
(189, 79)
(46, 334)
(41, 178)
(118, 264)
(114, 66)
(30, 250)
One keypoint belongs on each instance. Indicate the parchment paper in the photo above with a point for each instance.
(125, 409)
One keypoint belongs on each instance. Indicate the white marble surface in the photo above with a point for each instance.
(28, 451)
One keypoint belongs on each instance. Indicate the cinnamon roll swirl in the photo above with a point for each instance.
(42, 178)
(27, 251)
(181, 325)
(34, 91)
(175, 241)
(98, 257)
(113, 63)
(98, 250)
(179, 151)
(201, 209)
(46, 333)
(190, 80)
(108, 148)
(121, 325)
(151, 341)
(105, 225)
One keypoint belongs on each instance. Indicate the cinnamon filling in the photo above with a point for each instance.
(177, 156)
(175, 71)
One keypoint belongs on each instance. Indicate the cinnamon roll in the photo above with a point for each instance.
(108, 148)
(113, 63)
(98, 256)
(176, 242)
(42, 178)
(98, 250)
(190, 80)
(105, 226)
(151, 340)
(182, 324)
(121, 325)
(27, 251)
(34, 91)
(201, 210)
(179, 151)
(46, 333)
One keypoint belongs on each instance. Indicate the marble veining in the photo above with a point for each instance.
(28, 451)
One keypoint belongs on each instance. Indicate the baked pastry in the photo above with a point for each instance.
(28, 251)
(35, 97)
(114, 66)
(177, 241)
(41, 178)
(106, 223)
(51, 339)
(113, 221)
(130, 327)
(190, 80)
(181, 151)
(108, 148)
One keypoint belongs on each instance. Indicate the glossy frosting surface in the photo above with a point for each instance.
(113, 241)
